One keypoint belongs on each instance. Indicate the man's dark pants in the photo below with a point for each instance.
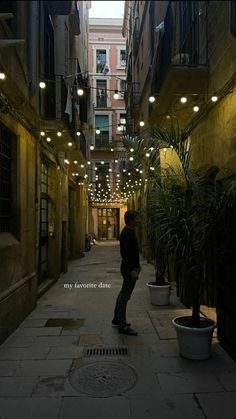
(124, 296)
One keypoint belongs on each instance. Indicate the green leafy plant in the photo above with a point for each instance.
(183, 208)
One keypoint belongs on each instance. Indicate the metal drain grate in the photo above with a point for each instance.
(101, 351)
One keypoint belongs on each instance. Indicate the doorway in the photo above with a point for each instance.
(108, 223)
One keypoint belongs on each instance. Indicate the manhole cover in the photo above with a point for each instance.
(103, 379)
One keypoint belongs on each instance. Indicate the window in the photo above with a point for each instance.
(121, 88)
(122, 58)
(121, 121)
(101, 61)
(102, 139)
(101, 93)
(6, 155)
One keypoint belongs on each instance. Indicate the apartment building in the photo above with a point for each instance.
(181, 66)
(107, 69)
(43, 212)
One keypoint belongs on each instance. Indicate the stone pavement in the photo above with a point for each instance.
(39, 362)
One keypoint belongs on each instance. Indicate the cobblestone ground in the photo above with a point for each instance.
(39, 362)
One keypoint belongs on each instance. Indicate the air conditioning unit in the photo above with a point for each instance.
(180, 59)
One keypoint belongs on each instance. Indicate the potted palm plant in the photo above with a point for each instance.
(186, 212)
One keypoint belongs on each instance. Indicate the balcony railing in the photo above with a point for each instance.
(102, 140)
(183, 42)
(102, 101)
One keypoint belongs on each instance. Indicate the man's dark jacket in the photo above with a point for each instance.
(129, 250)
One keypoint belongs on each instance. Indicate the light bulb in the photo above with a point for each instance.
(167, 116)
(82, 165)
(131, 158)
(2, 76)
(42, 133)
(42, 85)
(196, 108)
(59, 134)
(151, 99)
(141, 123)
(80, 92)
(78, 133)
(98, 131)
(214, 98)
(92, 147)
(116, 95)
(48, 139)
(75, 162)
(131, 150)
(119, 128)
(183, 99)
(70, 144)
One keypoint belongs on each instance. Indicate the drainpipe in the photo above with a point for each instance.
(33, 46)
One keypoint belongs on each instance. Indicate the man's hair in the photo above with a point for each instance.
(130, 216)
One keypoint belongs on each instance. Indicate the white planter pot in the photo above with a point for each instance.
(159, 294)
(194, 342)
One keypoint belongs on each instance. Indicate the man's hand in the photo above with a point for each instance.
(134, 274)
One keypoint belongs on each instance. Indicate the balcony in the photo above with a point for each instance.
(180, 53)
(102, 140)
(101, 101)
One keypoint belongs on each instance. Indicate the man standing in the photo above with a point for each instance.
(130, 269)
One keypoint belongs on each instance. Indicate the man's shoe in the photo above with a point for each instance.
(118, 323)
(127, 331)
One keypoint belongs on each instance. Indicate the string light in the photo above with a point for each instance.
(59, 134)
(80, 92)
(214, 98)
(48, 139)
(42, 133)
(196, 108)
(151, 99)
(75, 161)
(116, 95)
(183, 99)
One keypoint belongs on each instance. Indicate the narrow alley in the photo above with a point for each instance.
(55, 366)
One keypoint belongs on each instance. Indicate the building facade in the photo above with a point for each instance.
(181, 66)
(107, 69)
(43, 212)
